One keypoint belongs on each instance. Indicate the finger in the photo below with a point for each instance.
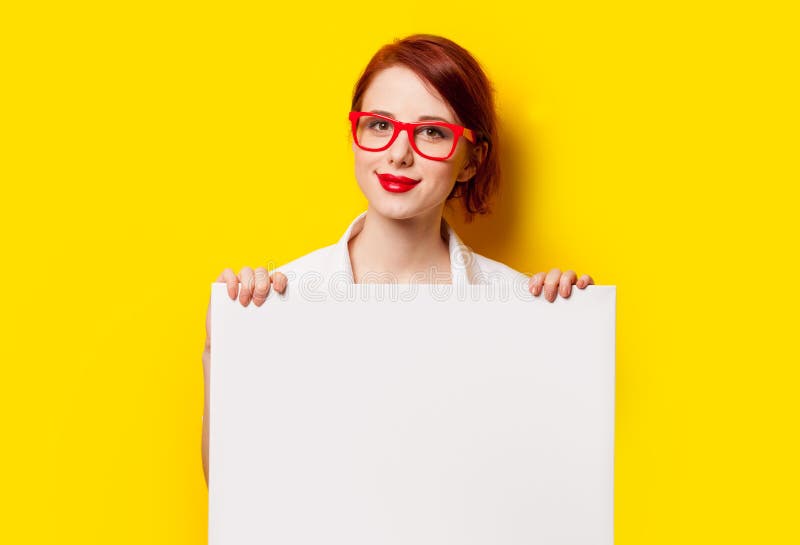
(248, 285)
(261, 287)
(535, 283)
(551, 284)
(565, 285)
(280, 281)
(231, 281)
(584, 281)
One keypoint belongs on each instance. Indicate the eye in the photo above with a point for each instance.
(433, 132)
(379, 125)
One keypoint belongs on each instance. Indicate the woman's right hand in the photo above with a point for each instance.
(255, 286)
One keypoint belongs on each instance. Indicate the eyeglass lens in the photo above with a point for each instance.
(432, 140)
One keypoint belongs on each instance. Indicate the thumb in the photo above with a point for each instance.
(279, 282)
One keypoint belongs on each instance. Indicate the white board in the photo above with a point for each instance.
(436, 417)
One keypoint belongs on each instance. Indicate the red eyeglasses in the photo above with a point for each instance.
(435, 140)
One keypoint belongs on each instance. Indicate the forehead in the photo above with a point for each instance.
(400, 91)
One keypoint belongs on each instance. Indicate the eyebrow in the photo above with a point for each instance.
(421, 118)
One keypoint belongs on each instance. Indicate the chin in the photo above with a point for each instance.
(394, 210)
(398, 206)
(398, 209)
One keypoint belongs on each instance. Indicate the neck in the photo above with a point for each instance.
(388, 249)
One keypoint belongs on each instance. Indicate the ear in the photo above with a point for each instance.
(475, 158)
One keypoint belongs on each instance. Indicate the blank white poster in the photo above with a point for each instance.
(436, 416)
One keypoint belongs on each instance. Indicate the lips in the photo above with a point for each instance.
(397, 179)
(396, 184)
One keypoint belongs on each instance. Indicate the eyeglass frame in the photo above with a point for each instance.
(400, 126)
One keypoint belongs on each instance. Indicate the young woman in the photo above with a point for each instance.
(424, 133)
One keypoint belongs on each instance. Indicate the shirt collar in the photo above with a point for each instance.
(463, 265)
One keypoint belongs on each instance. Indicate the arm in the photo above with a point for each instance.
(206, 406)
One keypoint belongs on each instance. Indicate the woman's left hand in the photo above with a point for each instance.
(557, 283)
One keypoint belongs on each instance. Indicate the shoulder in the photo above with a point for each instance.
(321, 260)
(490, 271)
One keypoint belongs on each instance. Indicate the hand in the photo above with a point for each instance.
(557, 283)
(255, 287)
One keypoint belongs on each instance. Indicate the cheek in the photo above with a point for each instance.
(444, 172)
(362, 157)
(363, 165)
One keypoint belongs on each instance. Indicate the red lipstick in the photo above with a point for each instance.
(396, 184)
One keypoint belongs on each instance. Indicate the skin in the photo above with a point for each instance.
(401, 236)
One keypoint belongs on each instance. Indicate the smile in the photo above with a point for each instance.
(396, 184)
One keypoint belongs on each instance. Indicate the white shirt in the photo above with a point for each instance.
(330, 265)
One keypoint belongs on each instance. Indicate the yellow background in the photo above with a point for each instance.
(147, 147)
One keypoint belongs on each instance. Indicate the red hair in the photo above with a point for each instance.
(460, 80)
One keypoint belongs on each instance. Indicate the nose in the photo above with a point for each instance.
(401, 152)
